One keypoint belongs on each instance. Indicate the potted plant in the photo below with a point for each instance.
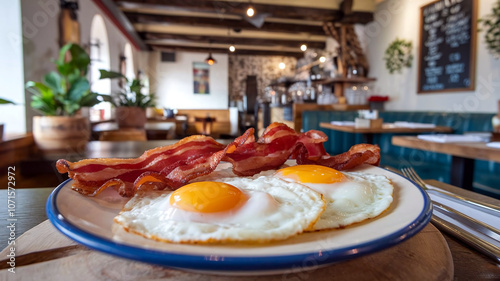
(130, 102)
(59, 97)
(491, 26)
(398, 55)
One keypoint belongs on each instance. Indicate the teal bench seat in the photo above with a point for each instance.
(429, 165)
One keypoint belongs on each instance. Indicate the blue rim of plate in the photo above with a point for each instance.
(235, 263)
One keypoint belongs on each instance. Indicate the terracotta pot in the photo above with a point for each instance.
(61, 132)
(130, 117)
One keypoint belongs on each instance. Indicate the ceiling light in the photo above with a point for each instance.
(282, 65)
(250, 11)
(210, 60)
(232, 48)
(303, 47)
(322, 59)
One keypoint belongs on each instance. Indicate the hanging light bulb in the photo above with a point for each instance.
(282, 65)
(322, 59)
(250, 11)
(303, 47)
(210, 60)
(232, 48)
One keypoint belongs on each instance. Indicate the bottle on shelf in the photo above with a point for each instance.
(310, 93)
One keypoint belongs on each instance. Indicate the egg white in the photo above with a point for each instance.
(360, 197)
(275, 210)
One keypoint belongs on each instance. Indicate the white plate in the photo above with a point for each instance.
(89, 221)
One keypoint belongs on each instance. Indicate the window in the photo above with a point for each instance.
(100, 59)
(129, 62)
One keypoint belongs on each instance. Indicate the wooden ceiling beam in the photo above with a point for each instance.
(225, 23)
(222, 51)
(223, 32)
(279, 27)
(228, 40)
(239, 8)
(346, 7)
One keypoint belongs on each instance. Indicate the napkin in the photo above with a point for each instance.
(451, 138)
(413, 125)
(342, 123)
(471, 212)
(494, 144)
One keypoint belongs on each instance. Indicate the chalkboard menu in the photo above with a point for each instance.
(447, 46)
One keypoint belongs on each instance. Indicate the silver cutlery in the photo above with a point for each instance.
(480, 245)
(485, 247)
(410, 173)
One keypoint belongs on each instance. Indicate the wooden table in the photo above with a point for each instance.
(463, 156)
(387, 128)
(154, 129)
(468, 264)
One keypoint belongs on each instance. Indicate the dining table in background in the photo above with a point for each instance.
(466, 264)
(154, 129)
(387, 128)
(463, 156)
(113, 149)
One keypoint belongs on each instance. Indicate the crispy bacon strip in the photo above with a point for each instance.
(358, 154)
(175, 165)
(169, 166)
(277, 144)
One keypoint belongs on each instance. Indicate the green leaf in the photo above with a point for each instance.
(70, 108)
(40, 89)
(62, 54)
(111, 75)
(78, 90)
(90, 99)
(40, 106)
(46, 106)
(136, 87)
(73, 76)
(4, 101)
(108, 98)
(79, 58)
(53, 80)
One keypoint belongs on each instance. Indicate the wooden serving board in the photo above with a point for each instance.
(425, 256)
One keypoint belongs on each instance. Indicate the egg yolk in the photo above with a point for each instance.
(207, 197)
(311, 174)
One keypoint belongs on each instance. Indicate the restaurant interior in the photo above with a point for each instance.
(420, 80)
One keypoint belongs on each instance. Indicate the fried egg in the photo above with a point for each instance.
(350, 197)
(233, 209)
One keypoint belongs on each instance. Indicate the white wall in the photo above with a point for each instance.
(400, 18)
(11, 72)
(175, 83)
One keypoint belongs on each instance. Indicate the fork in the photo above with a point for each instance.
(410, 173)
(479, 244)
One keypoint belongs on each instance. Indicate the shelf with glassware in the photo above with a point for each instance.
(342, 91)
(341, 83)
(295, 96)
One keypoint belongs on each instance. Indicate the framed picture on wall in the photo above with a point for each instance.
(201, 78)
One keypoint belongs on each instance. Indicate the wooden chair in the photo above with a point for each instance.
(124, 135)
